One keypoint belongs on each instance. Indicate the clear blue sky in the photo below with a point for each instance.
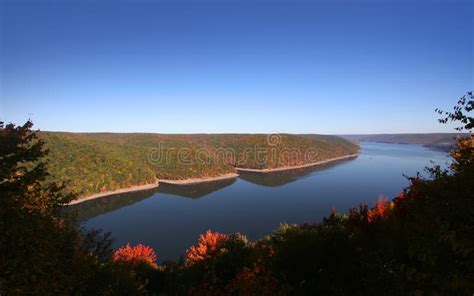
(234, 66)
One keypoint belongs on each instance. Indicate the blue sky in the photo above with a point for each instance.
(328, 67)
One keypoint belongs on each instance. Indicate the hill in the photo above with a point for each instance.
(101, 162)
(443, 141)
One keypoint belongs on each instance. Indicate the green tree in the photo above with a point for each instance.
(23, 176)
(40, 252)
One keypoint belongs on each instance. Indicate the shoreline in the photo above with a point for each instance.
(287, 168)
(151, 186)
(203, 180)
(198, 180)
(110, 193)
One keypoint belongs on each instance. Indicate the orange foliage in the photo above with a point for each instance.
(401, 196)
(208, 245)
(380, 209)
(134, 255)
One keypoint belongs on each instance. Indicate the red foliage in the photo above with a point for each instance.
(401, 196)
(208, 245)
(134, 255)
(380, 209)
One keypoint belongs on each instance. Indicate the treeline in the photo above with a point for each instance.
(442, 141)
(100, 162)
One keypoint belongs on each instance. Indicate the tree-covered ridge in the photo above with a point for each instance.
(92, 165)
(101, 162)
(263, 151)
(443, 141)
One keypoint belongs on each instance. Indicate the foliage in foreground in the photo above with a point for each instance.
(41, 253)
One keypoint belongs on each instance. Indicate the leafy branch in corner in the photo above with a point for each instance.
(460, 113)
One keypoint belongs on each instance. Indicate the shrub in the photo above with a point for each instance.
(208, 245)
(136, 255)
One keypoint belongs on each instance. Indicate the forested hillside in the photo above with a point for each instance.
(443, 141)
(260, 151)
(100, 162)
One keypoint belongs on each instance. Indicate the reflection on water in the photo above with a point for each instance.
(94, 207)
(280, 178)
(91, 208)
(254, 204)
(197, 190)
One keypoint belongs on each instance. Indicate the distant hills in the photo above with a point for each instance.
(443, 141)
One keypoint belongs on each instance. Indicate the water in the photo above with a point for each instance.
(170, 218)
